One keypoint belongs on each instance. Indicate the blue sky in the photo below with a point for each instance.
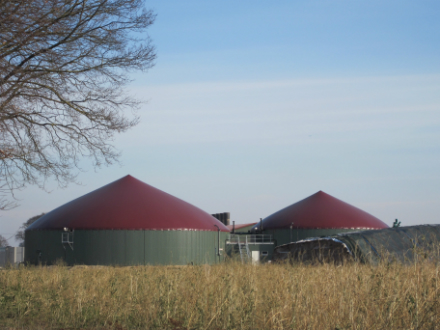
(254, 105)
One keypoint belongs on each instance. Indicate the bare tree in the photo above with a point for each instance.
(19, 236)
(64, 66)
(3, 241)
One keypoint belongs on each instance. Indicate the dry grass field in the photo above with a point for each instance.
(227, 296)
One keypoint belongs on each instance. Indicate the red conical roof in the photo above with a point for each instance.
(322, 211)
(128, 204)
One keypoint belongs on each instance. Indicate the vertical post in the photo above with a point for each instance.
(291, 225)
(218, 242)
(233, 227)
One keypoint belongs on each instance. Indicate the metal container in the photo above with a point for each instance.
(317, 215)
(126, 222)
(125, 247)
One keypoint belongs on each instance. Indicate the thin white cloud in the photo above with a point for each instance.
(286, 111)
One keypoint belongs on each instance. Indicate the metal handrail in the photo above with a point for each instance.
(257, 238)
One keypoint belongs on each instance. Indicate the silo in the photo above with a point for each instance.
(126, 222)
(317, 215)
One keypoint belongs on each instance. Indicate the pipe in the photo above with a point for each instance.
(218, 242)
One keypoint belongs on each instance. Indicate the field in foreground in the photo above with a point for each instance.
(228, 296)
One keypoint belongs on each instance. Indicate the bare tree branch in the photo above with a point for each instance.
(63, 68)
(19, 236)
(3, 241)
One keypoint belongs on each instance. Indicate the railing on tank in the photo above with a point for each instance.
(250, 239)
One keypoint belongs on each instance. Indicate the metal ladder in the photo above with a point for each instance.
(245, 254)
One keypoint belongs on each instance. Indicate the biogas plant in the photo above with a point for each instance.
(129, 222)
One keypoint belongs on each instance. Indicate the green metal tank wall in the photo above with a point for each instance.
(283, 236)
(124, 247)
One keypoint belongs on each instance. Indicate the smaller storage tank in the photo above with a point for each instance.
(317, 215)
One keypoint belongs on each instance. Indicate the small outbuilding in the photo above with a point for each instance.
(126, 222)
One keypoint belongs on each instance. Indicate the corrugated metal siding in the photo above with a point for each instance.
(125, 247)
(11, 256)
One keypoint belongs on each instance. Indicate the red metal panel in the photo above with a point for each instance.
(241, 225)
(128, 204)
(321, 211)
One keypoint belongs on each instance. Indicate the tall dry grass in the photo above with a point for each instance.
(227, 296)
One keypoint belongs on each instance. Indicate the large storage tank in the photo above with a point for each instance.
(126, 222)
(317, 215)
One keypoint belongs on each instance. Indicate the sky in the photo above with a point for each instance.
(254, 105)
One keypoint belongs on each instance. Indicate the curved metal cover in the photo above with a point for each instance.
(128, 204)
(321, 211)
